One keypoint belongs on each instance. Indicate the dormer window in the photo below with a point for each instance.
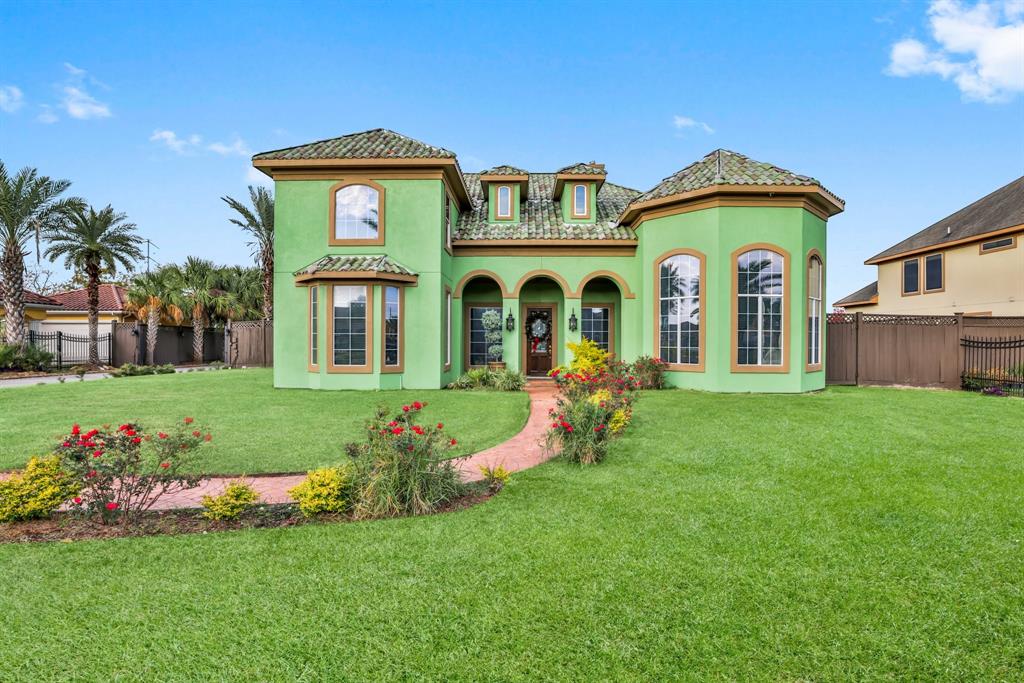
(580, 201)
(357, 213)
(504, 209)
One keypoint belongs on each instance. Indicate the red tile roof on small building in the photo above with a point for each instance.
(33, 299)
(112, 298)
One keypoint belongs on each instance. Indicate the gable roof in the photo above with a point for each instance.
(112, 299)
(723, 167)
(583, 168)
(504, 169)
(864, 295)
(37, 300)
(540, 217)
(379, 143)
(999, 210)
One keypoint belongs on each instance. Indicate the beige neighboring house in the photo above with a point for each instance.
(971, 262)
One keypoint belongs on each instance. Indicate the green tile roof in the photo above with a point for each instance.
(541, 216)
(504, 169)
(378, 143)
(377, 263)
(723, 167)
(584, 168)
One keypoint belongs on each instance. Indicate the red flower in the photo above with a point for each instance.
(165, 465)
(92, 473)
(76, 500)
(405, 409)
(417, 405)
(554, 425)
(440, 425)
(397, 430)
(392, 424)
(410, 448)
(137, 440)
(188, 420)
(208, 437)
(91, 433)
(75, 430)
(453, 442)
(129, 432)
(161, 435)
(66, 444)
(111, 506)
(568, 428)
(124, 428)
(197, 433)
(97, 454)
(418, 429)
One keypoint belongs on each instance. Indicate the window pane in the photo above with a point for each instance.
(679, 282)
(355, 212)
(478, 346)
(579, 206)
(314, 325)
(997, 244)
(760, 279)
(505, 201)
(933, 272)
(596, 325)
(910, 276)
(349, 316)
(391, 325)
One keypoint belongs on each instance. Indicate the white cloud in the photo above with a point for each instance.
(81, 105)
(980, 48)
(11, 98)
(178, 145)
(685, 122)
(47, 115)
(237, 147)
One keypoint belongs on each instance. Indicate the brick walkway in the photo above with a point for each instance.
(523, 450)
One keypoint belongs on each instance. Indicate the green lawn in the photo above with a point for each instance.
(855, 534)
(256, 428)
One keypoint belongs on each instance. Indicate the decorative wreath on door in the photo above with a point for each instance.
(540, 330)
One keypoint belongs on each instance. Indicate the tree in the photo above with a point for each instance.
(259, 222)
(153, 296)
(91, 242)
(30, 207)
(201, 297)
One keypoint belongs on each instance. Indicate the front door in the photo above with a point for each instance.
(539, 339)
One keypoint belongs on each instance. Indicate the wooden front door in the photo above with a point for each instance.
(540, 339)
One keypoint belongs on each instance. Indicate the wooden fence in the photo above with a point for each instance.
(237, 344)
(910, 350)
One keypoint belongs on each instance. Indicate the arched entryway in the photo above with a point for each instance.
(483, 336)
(542, 328)
(600, 316)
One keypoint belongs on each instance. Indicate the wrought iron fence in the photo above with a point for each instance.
(69, 349)
(993, 365)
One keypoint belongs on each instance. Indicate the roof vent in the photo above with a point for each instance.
(949, 231)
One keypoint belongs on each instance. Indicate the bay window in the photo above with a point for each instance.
(760, 322)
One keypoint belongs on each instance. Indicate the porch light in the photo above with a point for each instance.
(572, 321)
(510, 322)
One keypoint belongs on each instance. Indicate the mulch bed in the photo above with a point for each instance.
(67, 527)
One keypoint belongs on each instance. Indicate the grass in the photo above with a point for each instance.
(855, 534)
(256, 428)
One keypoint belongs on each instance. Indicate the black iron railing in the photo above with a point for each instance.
(69, 349)
(993, 365)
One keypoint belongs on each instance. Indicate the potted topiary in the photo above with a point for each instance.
(492, 336)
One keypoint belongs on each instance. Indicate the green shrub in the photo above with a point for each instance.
(133, 370)
(229, 505)
(648, 372)
(509, 380)
(484, 378)
(38, 490)
(29, 359)
(495, 477)
(403, 468)
(326, 490)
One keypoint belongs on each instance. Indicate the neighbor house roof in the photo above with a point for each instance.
(112, 299)
(377, 266)
(35, 300)
(865, 295)
(541, 216)
(723, 167)
(379, 143)
(1000, 210)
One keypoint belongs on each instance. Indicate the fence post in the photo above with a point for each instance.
(959, 348)
(856, 347)
(60, 349)
(225, 355)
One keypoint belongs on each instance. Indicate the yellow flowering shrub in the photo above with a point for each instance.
(620, 420)
(600, 396)
(36, 491)
(587, 358)
(324, 490)
(236, 499)
(495, 477)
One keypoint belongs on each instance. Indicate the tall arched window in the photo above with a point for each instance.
(679, 333)
(357, 214)
(760, 324)
(814, 311)
(504, 209)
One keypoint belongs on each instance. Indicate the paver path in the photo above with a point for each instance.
(523, 450)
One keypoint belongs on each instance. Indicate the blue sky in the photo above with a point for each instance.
(906, 110)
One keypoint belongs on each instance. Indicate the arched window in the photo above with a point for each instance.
(814, 313)
(357, 214)
(680, 312)
(504, 202)
(760, 308)
(580, 201)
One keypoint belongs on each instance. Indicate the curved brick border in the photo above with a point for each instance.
(523, 450)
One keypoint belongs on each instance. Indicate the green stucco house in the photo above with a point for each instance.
(396, 269)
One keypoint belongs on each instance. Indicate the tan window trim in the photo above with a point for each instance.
(385, 368)
(611, 321)
(446, 217)
(1005, 247)
(787, 347)
(314, 360)
(447, 329)
(903, 277)
(923, 273)
(702, 336)
(350, 369)
(466, 325)
(333, 207)
(586, 201)
(819, 366)
(498, 215)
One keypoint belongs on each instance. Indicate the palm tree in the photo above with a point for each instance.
(29, 207)
(153, 296)
(92, 242)
(201, 297)
(259, 222)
